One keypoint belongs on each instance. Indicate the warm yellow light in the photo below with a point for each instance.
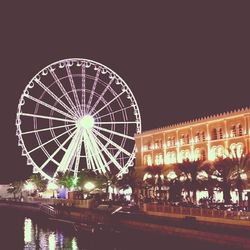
(52, 186)
(89, 186)
(29, 186)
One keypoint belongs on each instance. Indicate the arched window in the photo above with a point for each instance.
(173, 141)
(203, 155)
(213, 153)
(182, 140)
(214, 134)
(168, 158)
(197, 154)
(173, 157)
(203, 136)
(240, 130)
(233, 131)
(147, 160)
(158, 159)
(239, 149)
(197, 137)
(220, 133)
(187, 139)
(220, 151)
(169, 142)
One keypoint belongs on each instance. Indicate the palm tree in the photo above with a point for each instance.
(238, 173)
(223, 167)
(190, 170)
(130, 180)
(172, 180)
(156, 179)
(84, 176)
(206, 178)
(66, 179)
(38, 180)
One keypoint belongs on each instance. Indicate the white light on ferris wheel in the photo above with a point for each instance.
(77, 113)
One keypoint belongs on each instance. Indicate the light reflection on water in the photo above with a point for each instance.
(37, 237)
(18, 232)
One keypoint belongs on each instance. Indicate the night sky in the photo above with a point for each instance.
(181, 61)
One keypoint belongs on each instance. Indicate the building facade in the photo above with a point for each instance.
(202, 139)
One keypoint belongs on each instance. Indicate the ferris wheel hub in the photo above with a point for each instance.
(87, 122)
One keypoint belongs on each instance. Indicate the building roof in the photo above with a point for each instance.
(241, 111)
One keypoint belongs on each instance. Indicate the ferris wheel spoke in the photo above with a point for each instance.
(115, 133)
(87, 154)
(101, 96)
(111, 113)
(102, 162)
(71, 151)
(111, 142)
(78, 154)
(83, 89)
(73, 87)
(124, 122)
(90, 158)
(45, 129)
(53, 139)
(93, 89)
(91, 153)
(56, 151)
(65, 93)
(108, 103)
(55, 96)
(111, 157)
(49, 106)
(46, 117)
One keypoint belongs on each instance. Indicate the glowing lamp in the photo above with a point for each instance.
(89, 186)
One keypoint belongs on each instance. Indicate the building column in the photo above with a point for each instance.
(226, 135)
(208, 143)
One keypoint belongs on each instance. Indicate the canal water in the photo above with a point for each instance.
(21, 232)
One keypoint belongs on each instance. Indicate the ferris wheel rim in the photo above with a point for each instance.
(94, 63)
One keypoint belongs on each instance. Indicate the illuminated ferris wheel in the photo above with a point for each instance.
(76, 114)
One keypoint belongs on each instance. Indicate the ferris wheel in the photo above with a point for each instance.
(77, 114)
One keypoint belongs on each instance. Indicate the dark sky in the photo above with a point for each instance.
(181, 61)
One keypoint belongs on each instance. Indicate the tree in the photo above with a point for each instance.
(39, 181)
(16, 187)
(190, 170)
(172, 177)
(223, 167)
(66, 179)
(238, 172)
(156, 179)
(206, 178)
(129, 180)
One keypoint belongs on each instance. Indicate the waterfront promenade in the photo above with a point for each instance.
(152, 218)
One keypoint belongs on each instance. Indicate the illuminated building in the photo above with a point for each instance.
(202, 139)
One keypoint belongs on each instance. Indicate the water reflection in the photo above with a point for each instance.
(27, 230)
(20, 232)
(36, 236)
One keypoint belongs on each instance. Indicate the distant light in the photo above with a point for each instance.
(89, 186)
(74, 244)
(171, 175)
(27, 230)
(52, 241)
(29, 186)
(52, 186)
